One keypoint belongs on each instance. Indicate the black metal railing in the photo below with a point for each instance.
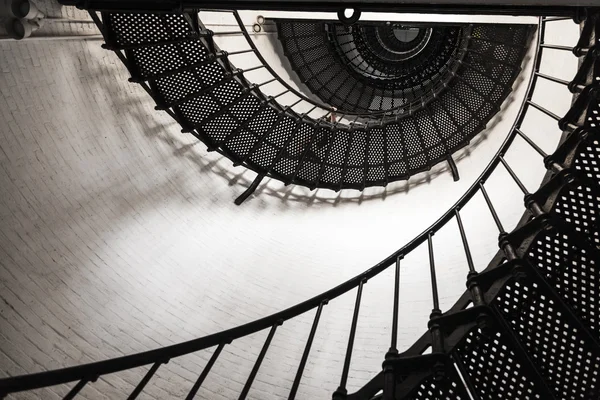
(575, 125)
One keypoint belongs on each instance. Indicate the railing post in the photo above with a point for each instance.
(437, 340)
(311, 336)
(341, 391)
(138, 389)
(205, 372)
(388, 370)
(258, 362)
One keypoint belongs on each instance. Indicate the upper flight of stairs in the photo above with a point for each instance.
(431, 115)
(528, 325)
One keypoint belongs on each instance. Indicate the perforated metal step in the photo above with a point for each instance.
(211, 98)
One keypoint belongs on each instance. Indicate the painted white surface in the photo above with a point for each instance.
(118, 234)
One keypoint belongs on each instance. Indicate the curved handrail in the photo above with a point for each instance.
(382, 114)
(264, 62)
(164, 354)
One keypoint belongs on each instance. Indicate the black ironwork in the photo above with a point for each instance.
(341, 391)
(494, 7)
(541, 314)
(311, 336)
(192, 78)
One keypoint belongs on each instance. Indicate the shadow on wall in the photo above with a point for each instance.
(271, 187)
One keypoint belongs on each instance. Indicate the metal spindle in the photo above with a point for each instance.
(266, 83)
(205, 372)
(341, 391)
(491, 207)
(311, 336)
(76, 389)
(138, 389)
(553, 79)
(227, 33)
(394, 341)
(545, 111)
(311, 110)
(556, 47)
(281, 94)
(234, 53)
(514, 176)
(531, 143)
(434, 288)
(253, 68)
(259, 360)
(464, 241)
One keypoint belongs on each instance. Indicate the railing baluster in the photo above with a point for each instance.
(226, 33)
(259, 360)
(531, 143)
(556, 47)
(266, 82)
(281, 94)
(434, 288)
(205, 372)
(545, 111)
(311, 336)
(465, 242)
(235, 53)
(551, 78)
(491, 208)
(514, 176)
(253, 68)
(341, 391)
(76, 389)
(138, 389)
(394, 341)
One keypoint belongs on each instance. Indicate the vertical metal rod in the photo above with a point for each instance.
(295, 104)
(544, 110)
(266, 82)
(514, 176)
(552, 78)
(311, 336)
(205, 372)
(76, 389)
(259, 360)
(453, 168)
(394, 342)
(311, 110)
(138, 389)
(464, 241)
(434, 289)
(556, 47)
(251, 189)
(531, 143)
(491, 207)
(281, 94)
(253, 68)
(346, 369)
(234, 53)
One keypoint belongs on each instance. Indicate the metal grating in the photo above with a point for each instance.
(494, 369)
(190, 75)
(568, 363)
(391, 67)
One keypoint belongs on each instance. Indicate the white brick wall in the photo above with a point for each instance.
(118, 234)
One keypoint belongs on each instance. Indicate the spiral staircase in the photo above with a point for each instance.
(528, 325)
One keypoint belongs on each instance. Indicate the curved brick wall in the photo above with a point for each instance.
(118, 234)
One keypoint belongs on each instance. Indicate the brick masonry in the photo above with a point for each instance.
(118, 234)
